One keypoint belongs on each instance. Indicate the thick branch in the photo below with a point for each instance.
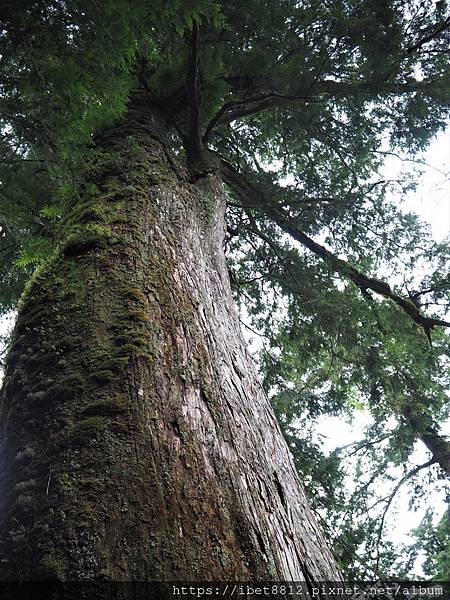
(317, 93)
(438, 445)
(246, 190)
(193, 94)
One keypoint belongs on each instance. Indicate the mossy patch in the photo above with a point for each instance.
(106, 366)
(31, 318)
(128, 350)
(92, 213)
(52, 568)
(139, 315)
(134, 293)
(130, 340)
(90, 237)
(66, 389)
(84, 431)
(109, 406)
(102, 376)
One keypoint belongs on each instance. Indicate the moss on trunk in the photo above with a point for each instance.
(136, 442)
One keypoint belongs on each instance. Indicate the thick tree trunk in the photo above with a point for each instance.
(136, 441)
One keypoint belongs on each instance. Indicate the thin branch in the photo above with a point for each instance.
(362, 445)
(412, 160)
(403, 480)
(428, 38)
(440, 285)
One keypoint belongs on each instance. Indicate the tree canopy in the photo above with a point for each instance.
(295, 104)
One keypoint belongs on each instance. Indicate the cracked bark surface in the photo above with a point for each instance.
(137, 443)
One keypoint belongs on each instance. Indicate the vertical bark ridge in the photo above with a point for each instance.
(137, 443)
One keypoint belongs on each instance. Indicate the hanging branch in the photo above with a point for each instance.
(247, 191)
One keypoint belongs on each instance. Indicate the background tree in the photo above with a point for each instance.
(292, 105)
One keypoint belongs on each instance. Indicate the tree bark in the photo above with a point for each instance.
(137, 443)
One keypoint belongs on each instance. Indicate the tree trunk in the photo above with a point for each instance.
(137, 443)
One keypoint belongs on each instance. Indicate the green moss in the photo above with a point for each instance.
(128, 350)
(103, 376)
(116, 364)
(66, 389)
(75, 380)
(57, 393)
(85, 430)
(90, 237)
(31, 318)
(35, 283)
(139, 315)
(137, 341)
(109, 406)
(92, 213)
(134, 293)
(207, 203)
(52, 568)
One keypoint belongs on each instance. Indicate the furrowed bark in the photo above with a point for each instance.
(136, 441)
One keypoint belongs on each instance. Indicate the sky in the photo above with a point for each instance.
(431, 200)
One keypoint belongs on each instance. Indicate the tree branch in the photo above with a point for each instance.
(403, 480)
(317, 93)
(246, 190)
(250, 106)
(428, 38)
(193, 94)
(437, 444)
